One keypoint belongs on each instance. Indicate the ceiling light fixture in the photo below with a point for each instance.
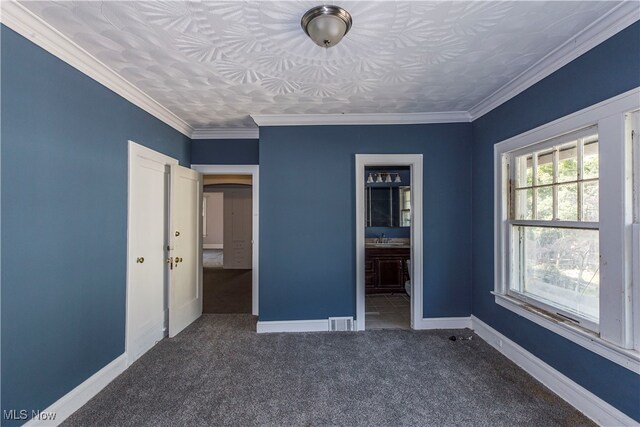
(326, 25)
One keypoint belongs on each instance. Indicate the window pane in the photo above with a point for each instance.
(524, 171)
(568, 163)
(591, 164)
(406, 219)
(545, 167)
(590, 202)
(568, 202)
(524, 204)
(560, 267)
(544, 202)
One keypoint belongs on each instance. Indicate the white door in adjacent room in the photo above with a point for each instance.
(238, 243)
(185, 278)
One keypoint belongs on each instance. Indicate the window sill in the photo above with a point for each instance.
(626, 358)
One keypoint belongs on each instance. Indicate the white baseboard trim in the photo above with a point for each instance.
(583, 400)
(212, 246)
(443, 323)
(320, 325)
(76, 398)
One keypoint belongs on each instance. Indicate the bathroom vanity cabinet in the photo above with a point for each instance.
(385, 269)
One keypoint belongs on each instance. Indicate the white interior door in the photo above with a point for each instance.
(185, 236)
(147, 241)
(238, 211)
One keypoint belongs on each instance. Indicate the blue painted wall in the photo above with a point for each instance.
(64, 218)
(224, 152)
(308, 224)
(607, 70)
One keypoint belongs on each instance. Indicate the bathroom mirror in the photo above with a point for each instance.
(388, 206)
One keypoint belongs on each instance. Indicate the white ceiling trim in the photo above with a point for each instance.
(608, 25)
(360, 119)
(225, 133)
(30, 26)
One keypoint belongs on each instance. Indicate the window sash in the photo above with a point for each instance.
(533, 150)
(514, 262)
(515, 275)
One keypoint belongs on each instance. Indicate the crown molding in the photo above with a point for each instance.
(225, 133)
(360, 119)
(616, 20)
(33, 28)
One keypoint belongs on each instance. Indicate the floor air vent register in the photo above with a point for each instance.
(341, 324)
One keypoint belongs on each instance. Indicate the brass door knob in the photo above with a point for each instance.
(140, 259)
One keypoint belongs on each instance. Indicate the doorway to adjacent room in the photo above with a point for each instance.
(229, 239)
(387, 247)
(388, 241)
(226, 243)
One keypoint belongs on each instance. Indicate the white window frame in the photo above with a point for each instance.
(617, 340)
(545, 146)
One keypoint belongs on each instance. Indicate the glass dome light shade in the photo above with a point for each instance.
(326, 25)
(326, 30)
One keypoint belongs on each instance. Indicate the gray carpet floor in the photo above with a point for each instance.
(220, 372)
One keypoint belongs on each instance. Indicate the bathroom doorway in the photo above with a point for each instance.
(387, 247)
(388, 241)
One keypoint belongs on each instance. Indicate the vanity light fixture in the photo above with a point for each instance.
(381, 177)
(326, 25)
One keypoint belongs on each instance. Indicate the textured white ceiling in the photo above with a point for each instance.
(214, 63)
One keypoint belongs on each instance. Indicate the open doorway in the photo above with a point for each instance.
(388, 241)
(230, 238)
(227, 237)
(388, 247)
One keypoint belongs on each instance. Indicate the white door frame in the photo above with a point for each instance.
(414, 161)
(254, 171)
(136, 149)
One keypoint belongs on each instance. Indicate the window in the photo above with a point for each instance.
(567, 234)
(405, 206)
(553, 207)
